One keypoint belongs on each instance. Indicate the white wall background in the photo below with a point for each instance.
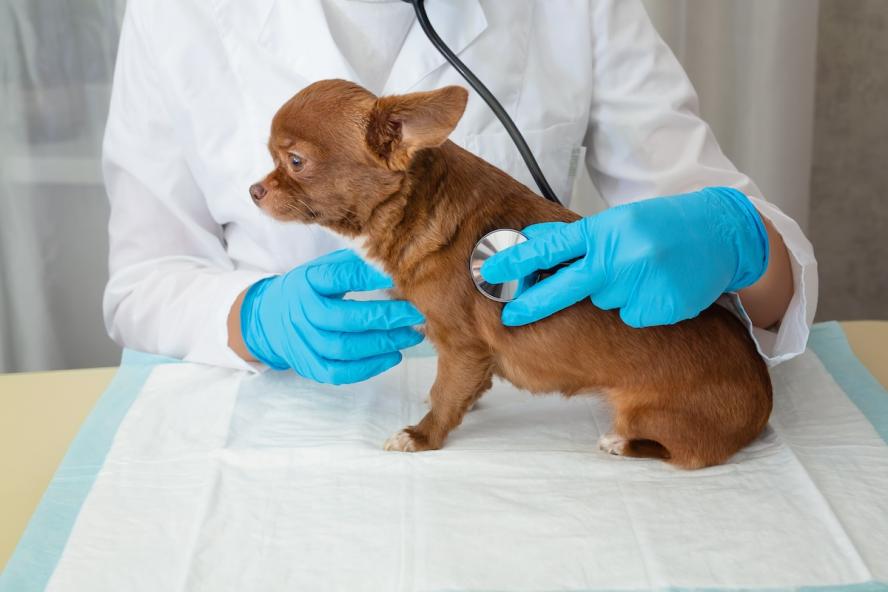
(753, 62)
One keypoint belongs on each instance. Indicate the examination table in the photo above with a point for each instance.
(447, 520)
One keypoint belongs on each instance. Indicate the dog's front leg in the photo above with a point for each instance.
(463, 376)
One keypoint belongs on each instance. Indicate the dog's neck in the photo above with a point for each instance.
(426, 215)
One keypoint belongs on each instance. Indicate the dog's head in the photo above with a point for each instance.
(338, 150)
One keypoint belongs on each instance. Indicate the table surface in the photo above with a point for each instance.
(40, 413)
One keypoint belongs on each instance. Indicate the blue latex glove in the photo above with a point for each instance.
(299, 320)
(659, 261)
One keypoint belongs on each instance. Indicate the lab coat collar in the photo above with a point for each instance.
(457, 22)
(298, 36)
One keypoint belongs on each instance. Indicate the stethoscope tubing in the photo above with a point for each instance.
(495, 106)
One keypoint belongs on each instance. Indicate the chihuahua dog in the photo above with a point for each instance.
(381, 169)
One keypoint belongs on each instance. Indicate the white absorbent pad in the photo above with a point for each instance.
(218, 480)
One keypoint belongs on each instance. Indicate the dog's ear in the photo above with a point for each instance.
(402, 124)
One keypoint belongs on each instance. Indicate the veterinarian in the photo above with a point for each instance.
(198, 272)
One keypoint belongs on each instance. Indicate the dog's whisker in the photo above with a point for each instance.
(310, 209)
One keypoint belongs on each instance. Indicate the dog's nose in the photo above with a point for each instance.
(257, 191)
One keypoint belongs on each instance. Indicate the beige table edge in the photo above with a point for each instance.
(42, 411)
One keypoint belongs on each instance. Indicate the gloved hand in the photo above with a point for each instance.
(299, 320)
(659, 260)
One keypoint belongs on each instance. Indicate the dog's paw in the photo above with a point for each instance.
(613, 444)
(402, 442)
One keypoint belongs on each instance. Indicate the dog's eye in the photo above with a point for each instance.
(296, 162)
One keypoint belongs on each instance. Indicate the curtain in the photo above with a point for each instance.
(56, 62)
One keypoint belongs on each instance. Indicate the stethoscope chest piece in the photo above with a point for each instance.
(491, 243)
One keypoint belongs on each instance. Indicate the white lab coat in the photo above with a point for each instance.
(198, 81)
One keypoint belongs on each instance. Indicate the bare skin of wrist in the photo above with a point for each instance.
(766, 300)
(235, 336)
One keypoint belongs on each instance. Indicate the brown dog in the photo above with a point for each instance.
(383, 170)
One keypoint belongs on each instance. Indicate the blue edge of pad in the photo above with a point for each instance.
(44, 539)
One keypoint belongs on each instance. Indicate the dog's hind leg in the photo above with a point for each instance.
(463, 376)
(684, 439)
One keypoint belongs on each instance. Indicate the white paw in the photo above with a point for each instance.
(402, 441)
(612, 444)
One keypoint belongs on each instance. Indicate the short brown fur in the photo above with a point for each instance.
(693, 393)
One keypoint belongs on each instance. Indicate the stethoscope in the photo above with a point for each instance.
(503, 238)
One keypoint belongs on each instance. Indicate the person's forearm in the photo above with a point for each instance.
(235, 336)
(766, 300)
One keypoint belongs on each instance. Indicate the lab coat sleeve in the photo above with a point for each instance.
(646, 138)
(171, 282)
